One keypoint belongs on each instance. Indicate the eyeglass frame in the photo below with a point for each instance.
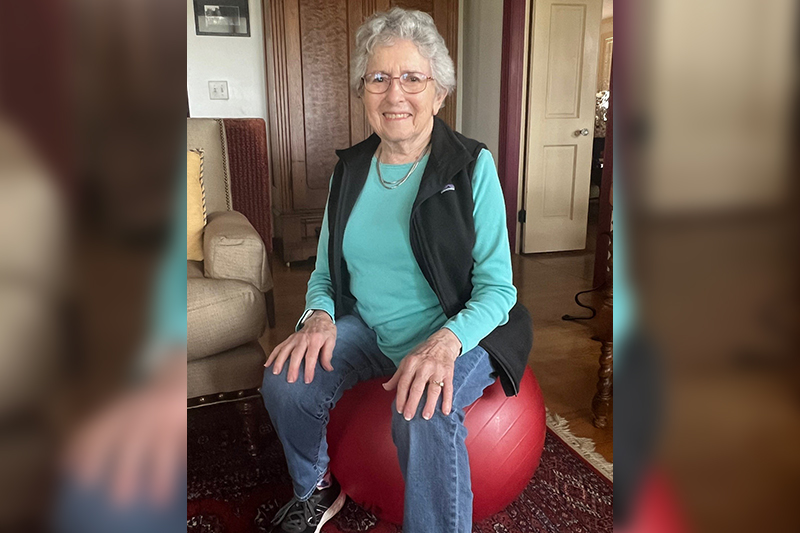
(392, 78)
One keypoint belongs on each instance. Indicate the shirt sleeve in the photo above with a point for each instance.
(493, 291)
(319, 294)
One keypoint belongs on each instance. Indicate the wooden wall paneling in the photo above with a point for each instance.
(308, 49)
(358, 11)
(294, 230)
(294, 75)
(355, 16)
(420, 5)
(278, 106)
(374, 6)
(445, 14)
(325, 51)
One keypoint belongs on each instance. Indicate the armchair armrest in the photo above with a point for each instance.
(234, 250)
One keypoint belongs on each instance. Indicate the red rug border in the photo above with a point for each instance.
(574, 452)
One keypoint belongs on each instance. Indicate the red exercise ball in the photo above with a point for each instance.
(505, 441)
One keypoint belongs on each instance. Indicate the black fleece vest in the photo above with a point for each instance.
(442, 234)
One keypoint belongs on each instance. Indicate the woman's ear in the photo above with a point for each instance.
(438, 101)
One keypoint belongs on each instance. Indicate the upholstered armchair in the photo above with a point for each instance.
(229, 292)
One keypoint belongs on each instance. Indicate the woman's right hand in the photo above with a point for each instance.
(315, 340)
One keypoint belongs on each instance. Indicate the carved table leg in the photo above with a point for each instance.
(248, 412)
(602, 397)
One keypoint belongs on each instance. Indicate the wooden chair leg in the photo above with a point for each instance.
(270, 298)
(602, 398)
(248, 411)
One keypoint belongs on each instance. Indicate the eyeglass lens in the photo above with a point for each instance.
(410, 82)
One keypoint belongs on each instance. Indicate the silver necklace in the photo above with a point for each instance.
(395, 184)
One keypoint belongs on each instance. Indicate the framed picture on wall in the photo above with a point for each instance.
(222, 17)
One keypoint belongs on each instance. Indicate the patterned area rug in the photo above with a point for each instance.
(231, 492)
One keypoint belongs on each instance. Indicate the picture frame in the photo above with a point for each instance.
(225, 18)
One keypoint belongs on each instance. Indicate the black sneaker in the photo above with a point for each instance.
(310, 515)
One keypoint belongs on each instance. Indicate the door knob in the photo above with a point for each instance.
(583, 132)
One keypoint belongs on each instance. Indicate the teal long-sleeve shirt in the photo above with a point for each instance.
(392, 296)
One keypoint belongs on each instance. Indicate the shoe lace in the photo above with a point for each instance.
(295, 516)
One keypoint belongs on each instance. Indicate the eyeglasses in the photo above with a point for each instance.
(410, 82)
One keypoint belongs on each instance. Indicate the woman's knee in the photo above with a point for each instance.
(272, 385)
(275, 390)
(400, 425)
(280, 395)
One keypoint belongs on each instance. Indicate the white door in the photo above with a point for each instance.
(561, 103)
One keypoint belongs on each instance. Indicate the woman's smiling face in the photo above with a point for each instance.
(395, 116)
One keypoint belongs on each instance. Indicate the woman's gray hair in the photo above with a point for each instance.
(382, 29)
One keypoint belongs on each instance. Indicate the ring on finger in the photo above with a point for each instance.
(440, 383)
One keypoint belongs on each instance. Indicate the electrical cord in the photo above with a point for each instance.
(589, 307)
(577, 301)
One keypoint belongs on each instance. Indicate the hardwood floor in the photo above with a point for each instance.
(564, 358)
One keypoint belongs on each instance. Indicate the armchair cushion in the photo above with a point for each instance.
(195, 205)
(194, 269)
(221, 314)
(208, 135)
(240, 368)
(235, 251)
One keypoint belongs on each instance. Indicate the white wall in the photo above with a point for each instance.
(237, 60)
(482, 39)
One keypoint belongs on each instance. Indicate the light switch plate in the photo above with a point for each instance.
(218, 90)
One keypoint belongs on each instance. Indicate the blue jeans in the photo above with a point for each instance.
(432, 453)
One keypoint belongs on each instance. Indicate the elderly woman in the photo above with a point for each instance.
(412, 280)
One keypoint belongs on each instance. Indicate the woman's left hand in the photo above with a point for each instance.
(429, 364)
